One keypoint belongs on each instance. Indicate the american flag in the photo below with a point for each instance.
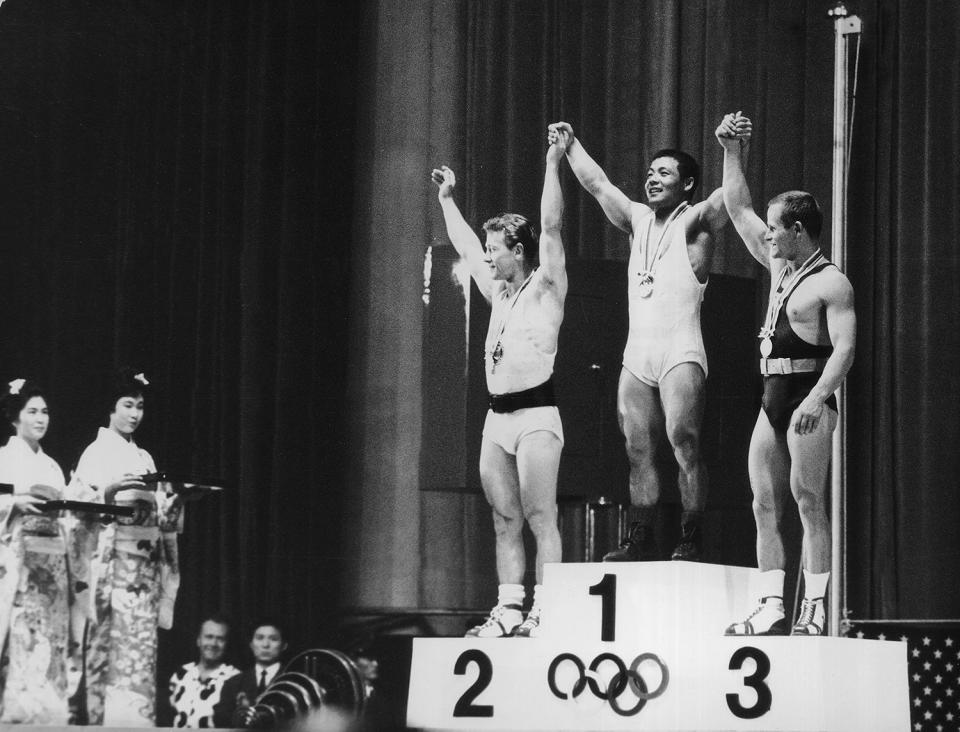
(933, 662)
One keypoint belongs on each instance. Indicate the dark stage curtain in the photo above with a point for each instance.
(176, 187)
(905, 268)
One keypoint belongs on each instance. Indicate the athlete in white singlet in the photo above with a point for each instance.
(662, 383)
(524, 279)
(664, 324)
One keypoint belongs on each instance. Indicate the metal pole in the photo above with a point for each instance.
(844, 26)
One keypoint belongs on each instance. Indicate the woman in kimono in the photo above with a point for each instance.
(129, 565)
(34, 583)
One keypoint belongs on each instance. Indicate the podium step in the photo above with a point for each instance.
(717, 683)
(640, 602)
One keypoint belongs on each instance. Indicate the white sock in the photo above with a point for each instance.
(536, 596)
(815, 585)
(510, 595)
(770, 583)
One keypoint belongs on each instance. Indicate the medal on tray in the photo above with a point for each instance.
(646, 284)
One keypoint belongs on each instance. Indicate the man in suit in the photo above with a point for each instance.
(267, 643)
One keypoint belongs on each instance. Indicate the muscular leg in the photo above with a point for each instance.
(810, 464)
(769, 468)
(500, 480)
(642, 423)
(538, 462)
(683, 395)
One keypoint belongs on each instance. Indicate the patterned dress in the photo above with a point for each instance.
(128, 585)
(34, 603)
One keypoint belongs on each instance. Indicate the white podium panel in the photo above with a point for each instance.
(781, 683)
(640, 602)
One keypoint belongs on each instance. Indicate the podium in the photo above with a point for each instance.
(640, 646)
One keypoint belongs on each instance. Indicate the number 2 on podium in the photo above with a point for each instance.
(607, 590)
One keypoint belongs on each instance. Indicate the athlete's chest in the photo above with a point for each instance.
(804, 307)
(671, 247)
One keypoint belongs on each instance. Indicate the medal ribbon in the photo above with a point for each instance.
(778, 298)
(650, 266)
(509, 311)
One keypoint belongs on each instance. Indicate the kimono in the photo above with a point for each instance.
(35, 671)
(127, 574)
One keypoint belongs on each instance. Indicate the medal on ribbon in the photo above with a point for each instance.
(766, 346)
(496, 354)
(778, 297)
(646, 276)
(646, 284)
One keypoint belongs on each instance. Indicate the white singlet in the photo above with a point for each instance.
(527, 337)
(524, 337)
(664, 327)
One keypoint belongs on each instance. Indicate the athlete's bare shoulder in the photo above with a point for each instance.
(833, 285)
(638, 215)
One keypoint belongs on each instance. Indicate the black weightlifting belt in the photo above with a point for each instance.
(537, 396)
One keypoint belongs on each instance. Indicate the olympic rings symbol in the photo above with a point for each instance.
(623, 679)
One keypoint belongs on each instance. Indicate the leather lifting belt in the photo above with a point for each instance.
(537, 396)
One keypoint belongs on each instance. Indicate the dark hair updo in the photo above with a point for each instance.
(127, 382)
(15, 397)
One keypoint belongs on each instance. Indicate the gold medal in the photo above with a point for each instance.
(645, 288)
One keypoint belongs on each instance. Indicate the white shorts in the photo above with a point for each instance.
(507, 429)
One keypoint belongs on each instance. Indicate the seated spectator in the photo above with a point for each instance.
(196, 687)
(267, 643)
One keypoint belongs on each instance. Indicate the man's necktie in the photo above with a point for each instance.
(261, 687)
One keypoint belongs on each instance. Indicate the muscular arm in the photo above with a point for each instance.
(612, 200)
(736, 195)
(552, 256)
(711, 213)
(842, 327)
(463, 238)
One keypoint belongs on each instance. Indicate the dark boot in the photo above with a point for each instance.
(637, 546)
(690, 547)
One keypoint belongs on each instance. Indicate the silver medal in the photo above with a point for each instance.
(646, 284)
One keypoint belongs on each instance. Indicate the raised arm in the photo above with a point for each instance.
(711, 213)
(463, 238)
(842, 327)
(733, 134)
(614, 202)
(552, 257)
